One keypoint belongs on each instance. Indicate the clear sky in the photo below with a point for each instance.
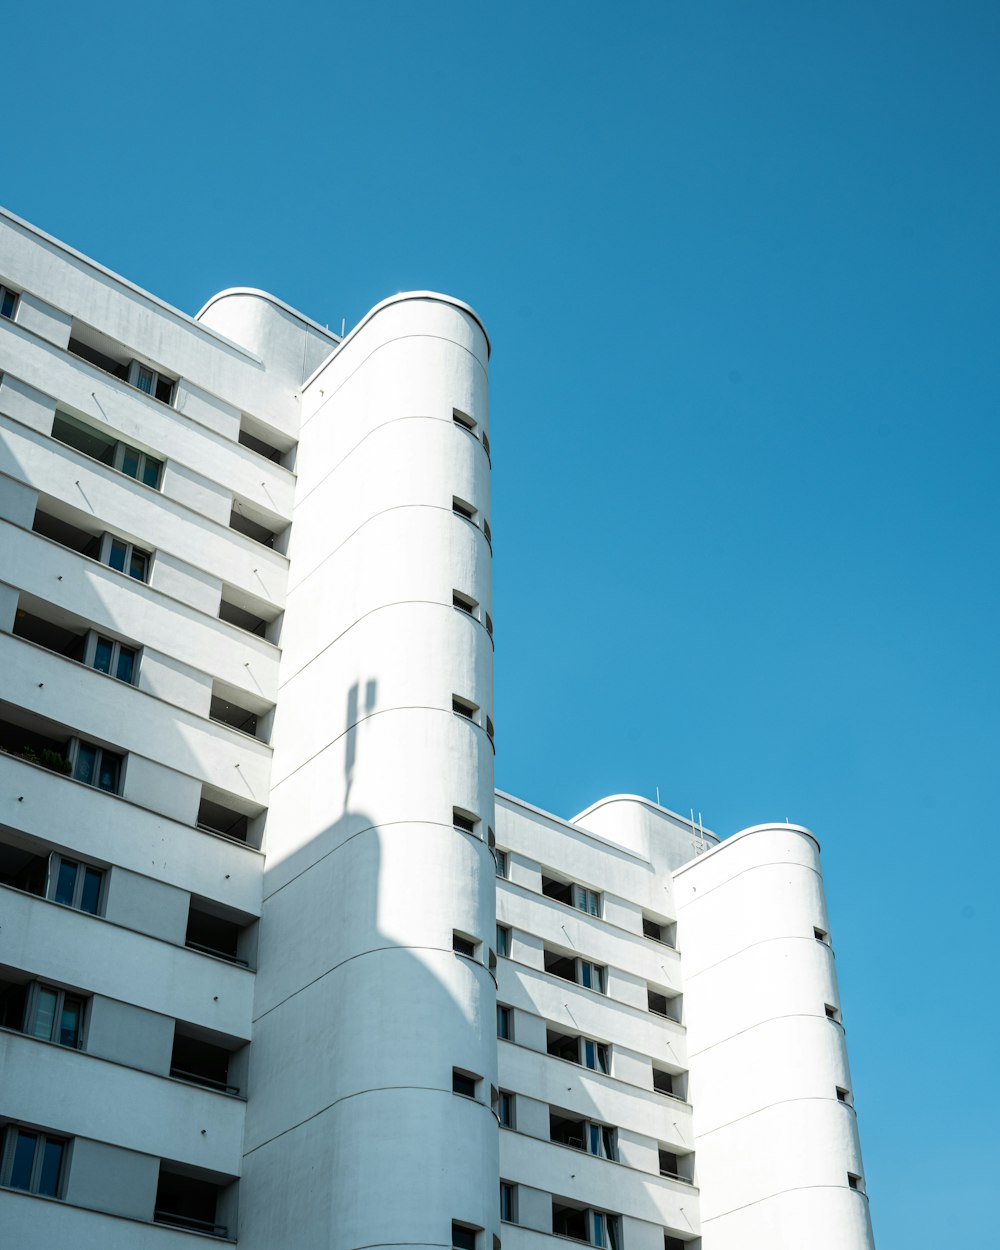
(739, 265)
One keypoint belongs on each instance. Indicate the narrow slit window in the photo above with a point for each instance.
(464, 707)
(465, 602)
(464, 820)
(463, 1083)
(464, 420)
(463, 945)
(463, 509)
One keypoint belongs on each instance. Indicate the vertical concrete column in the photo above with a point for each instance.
(381, 806)
(775, 1144)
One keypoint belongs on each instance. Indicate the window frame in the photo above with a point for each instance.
(156, 376)
(8, 293)
(508, 1202)
(503, 940)
(78, 745)
(507, 1099)
(94, 640)
(56, 862)
(41, 1139)
(505, 1023)
(503, 863)
(131, 552)
(31, 1007)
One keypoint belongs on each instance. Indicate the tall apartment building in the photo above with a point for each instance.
(277, 963)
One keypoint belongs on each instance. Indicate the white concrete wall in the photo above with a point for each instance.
(354, 1137)
(774, 1144)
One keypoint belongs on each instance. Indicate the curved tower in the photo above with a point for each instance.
(776, 1140)
(372, 1079)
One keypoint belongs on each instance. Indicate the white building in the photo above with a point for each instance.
(263, 917)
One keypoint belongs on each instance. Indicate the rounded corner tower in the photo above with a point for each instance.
(373, 1067)
(776, 1137)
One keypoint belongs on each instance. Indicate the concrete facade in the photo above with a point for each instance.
(278, 965)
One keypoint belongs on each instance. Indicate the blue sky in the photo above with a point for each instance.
(739, 265)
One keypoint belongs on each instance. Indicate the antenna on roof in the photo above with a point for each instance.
(343, 323)
(657, 796)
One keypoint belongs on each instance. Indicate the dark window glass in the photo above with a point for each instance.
(463, 1238)
(51, 1163)
(91, 896)
(66, 882)
(125, 668)
(130, 462)
(462, 1084)
(145, 380)
(118, 553)
(137, 566)
(69, 1021)
(151, 473)
(24, 1160)
(86, 764)
(7, 305)
(109, 772)
(103, 655)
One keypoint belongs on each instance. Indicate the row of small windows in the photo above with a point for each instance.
(587, 900)
(105, 769)
(39, 1162)
(100, 446)
(72, 882)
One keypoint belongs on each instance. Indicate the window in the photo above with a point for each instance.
(464, 602)
(187, 1201)
(151, 382)
(488, 622)
(831, 1012)
(503, 940)
(33, 1162)
(463, 945)
(462, 1237)
(674, 1165)
(486, 531)
(821, 935)
(582, 1050)
(464, 420)
(75, 885)
(505, 1108)
(854, 1181)
(53, 1015)
(8, 302)
(463, 1083)
(463, 509)
(464, 820)
(581, 1134)
(577, 896)
(592, 976)
(96, 766)
(486, 443)
(663, 1082)
(508, 1202)
(580, 971)
(666, 1005)
(596, 1228)
(503, 864)
(658, 930)
(505, 1023)
(115, 659)
(464, 707)
(843, 1095)
(128, 559)
(673, 1243)
(100, 446)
